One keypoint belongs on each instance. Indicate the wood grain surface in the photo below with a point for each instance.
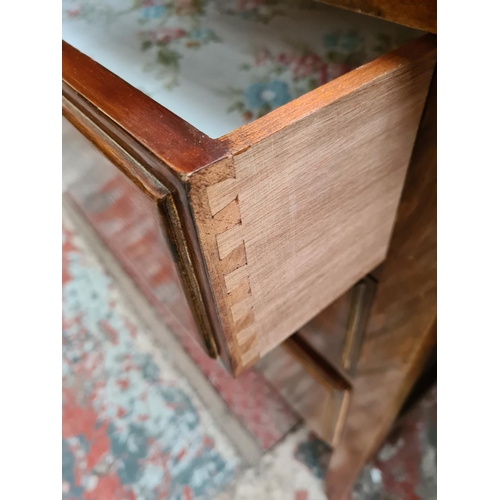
(337, 331)
(305, 206)
(155, 209)
(156, 150)
(136, 120)
(312, 369)
(401, 331)
(417, 14)
(276, 220)
(301, 382)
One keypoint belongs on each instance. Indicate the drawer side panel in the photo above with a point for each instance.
(316, 197)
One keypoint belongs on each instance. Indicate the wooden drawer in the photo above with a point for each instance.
(273, 221)
(309, 386)
(313, 369)
(421, 15)
(131, 225)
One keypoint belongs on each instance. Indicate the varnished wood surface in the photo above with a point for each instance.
(312, 372)
(132, 169)
(329, 375)
(156, 149)
(402, 328)
(305, 206)
(308, 387)
(326, 331)
(136, 119)
(90, 172)
(417, 14)
(337, 331)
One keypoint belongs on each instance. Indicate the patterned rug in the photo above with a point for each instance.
(134, 429)
(405, 468)
(132, 426)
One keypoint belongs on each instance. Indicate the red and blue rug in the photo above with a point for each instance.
(132, 427)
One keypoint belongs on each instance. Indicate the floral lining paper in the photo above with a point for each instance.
(222, 63)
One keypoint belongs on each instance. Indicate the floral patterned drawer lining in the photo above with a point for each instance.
(222, 63)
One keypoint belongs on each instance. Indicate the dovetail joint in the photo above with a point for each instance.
(233, 265)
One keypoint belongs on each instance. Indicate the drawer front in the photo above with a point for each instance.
(276, 220)
(130, 224)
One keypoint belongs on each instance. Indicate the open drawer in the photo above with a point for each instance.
(274, 220)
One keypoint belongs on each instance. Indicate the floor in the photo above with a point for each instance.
(137, 425)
